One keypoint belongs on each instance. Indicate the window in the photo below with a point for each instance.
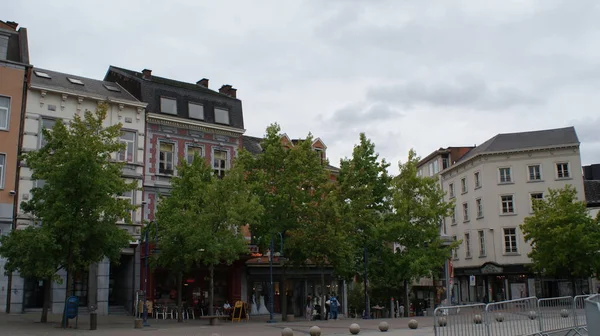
(2, 170)
(221, 116)
(168, 105)
(128, 153)
(4, 112)
(3, 47)
(451, 189)
(165, 164)
(507, 204)
(505, 176)
(220, 162)
(192, 151)
(436, 167)
(127, 196)
(477, 180)
(479, 208)
(481, 235)
(430, 167)
(510, 240)
(196, 111)
(454, 251)
(111, 88)
(562, 170)
(536, 197)
(445, 163)
(42, 74)
(75, 81)
(467, 245)
(466, 212)
(453, 216)
(47, 124)
(320, 153)
(535, 173)
(420, 172)
(463, 185)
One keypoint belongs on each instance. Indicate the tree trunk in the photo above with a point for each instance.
(323, 296)
(47, 289)
(406, 303)
(211, 289)
(179, 288)
(283, 296)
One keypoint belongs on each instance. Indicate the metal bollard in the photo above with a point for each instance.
(93, 320)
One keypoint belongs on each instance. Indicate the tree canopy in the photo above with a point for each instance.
(565, 239)
(202, 220)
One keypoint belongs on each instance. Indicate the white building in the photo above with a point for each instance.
(53, 96)
(492, 187)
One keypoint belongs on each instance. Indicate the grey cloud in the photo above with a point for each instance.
(466, 92)
(362, 114)
(588, 129)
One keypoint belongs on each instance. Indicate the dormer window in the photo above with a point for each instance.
(321, 154)
(221, 116)
(75, 81)
(168, 105)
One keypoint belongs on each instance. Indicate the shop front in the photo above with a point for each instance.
(294, 286)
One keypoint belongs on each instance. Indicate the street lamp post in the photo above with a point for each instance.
(271, 294)
(146, 270)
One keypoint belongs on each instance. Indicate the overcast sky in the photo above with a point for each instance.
(419, 74)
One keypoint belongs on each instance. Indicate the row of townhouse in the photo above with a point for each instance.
(492, 186)
(164, 122)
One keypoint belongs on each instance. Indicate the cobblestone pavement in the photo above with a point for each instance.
(27, 324)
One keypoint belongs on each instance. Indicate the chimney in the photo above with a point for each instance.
(203, 82)
(228, 90)
(147, 74)
(12, 24)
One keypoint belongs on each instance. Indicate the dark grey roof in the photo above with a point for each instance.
(252, 144)
(525, 140)
(592, 191)
(93, 87)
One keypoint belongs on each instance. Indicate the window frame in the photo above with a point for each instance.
(531, 199)
(568, 170)
(482, 243)
(464, 188)
(218, 170)
(7, 109)
(514, 247)
(479, 205)
(133, 146)
(228, 116)
(192, 145)
(455, 250)
(510, 179)
(465, 208)
(41, 128)
(451, 191)
(190, 103)
(131, 199)
(4, 46)
(3, 159)
(159, 163)
(539, 173)
(477, 179)
(512, 200)
(453, 216)
(165, 98)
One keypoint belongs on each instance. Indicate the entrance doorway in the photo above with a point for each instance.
(33, 294)
(120, 285)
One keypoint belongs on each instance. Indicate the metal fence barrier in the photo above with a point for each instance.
(592, 312)
(526, 316)
(468, 320)
(513, 317)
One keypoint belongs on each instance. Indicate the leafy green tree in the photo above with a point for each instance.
(411, 245)
(77, 204)
(292, 185)
(33, 253)
(565, 239)
(364, 194)
(201, 221)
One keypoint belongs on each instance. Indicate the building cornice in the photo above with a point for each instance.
(90, 96)
(195, 125)
(507, 152)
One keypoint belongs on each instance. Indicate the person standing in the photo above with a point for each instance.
(333, 307)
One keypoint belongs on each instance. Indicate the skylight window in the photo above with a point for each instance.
(42, 74)
(112, 88)
(75, 81)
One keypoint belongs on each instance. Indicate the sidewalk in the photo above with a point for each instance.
(28, 325)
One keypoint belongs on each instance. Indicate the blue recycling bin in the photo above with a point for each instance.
(72, 309)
